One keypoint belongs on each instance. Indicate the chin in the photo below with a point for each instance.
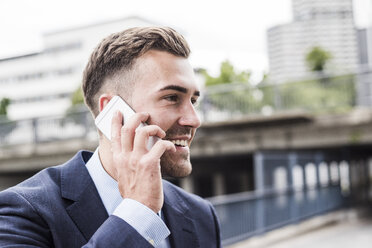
(175, 167)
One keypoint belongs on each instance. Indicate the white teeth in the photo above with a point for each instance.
(180, 142)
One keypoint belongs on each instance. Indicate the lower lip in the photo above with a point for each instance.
(182, 148)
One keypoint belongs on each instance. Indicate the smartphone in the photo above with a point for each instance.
(104, 118)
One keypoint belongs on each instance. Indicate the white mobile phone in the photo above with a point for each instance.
(104, 118)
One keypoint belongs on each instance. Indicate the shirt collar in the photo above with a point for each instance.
(106, 186)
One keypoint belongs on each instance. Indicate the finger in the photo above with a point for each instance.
(129, 129)
(116, 124)
(143, 134)
(160, 147)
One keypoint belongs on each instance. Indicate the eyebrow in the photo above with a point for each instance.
(180, 89)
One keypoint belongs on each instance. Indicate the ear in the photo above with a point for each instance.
(103, 100)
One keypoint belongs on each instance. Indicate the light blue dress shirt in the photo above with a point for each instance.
(144, 220)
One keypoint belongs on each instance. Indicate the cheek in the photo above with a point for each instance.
(164, 119)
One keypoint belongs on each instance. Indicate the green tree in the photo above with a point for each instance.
(227, 75)
(77, 97)
(77, 102)
(6, 126)
(317, 59)
(4, 103)
(73, 113)
(238, 97)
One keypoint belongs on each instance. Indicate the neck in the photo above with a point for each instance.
(105, 156)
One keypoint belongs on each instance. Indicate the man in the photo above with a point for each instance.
(116, 197)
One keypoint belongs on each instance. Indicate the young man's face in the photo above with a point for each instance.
(167, 90)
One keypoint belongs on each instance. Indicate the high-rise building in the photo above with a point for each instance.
(41, 84)
(365, 48)
(327, 24)
(364, 78)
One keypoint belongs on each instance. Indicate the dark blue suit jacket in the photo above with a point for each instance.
(60, 207)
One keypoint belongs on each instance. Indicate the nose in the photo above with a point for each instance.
(189, 117)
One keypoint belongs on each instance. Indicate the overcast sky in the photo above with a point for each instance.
(216, 30)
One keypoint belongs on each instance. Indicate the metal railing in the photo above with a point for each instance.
(47, 129)
(317, 95)
(244, 215)
(291, 186)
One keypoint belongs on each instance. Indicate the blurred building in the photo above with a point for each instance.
(364, 79)
(328, 24)
(365, 48)
(41, 84)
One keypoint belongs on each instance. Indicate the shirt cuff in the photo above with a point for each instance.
(144, 220)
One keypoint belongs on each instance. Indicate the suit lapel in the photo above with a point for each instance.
(181, 226)
(87, 210)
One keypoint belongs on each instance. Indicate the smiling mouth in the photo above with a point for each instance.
(182, 143)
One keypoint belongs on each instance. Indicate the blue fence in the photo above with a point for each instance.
(247, 214)
(290, 187)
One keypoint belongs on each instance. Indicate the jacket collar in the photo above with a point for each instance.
(78, 187)
(179, 221)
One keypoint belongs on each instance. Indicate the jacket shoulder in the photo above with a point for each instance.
(191, 199)
(44, 184)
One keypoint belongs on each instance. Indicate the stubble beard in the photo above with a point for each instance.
(176, 164)
(175, 167)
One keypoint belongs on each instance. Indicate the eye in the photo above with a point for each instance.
(194, 101)
(172, 98)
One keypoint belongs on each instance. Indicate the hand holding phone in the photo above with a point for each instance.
(136, 169)
(104, 119)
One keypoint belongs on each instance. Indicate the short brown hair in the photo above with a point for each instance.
(119, 51)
